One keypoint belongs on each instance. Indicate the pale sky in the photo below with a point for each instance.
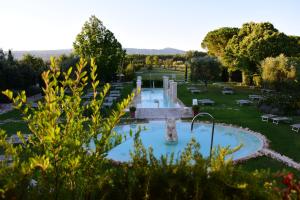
(182, 24)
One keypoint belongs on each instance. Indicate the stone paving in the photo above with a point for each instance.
(4, 108)
(282, 158)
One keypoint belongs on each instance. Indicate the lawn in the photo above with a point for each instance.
(158, 73)
(281, 138)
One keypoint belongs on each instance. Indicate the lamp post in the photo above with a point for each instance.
(212, 131)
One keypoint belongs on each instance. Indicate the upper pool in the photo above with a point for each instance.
(154, 136)
(155, 98)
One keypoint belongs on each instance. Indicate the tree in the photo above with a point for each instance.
(34, 65)
(148, 60)
(155, 60)
(216, 41)
(96, 41)
(253, 43)
(278, 70)
(10, 58)
(205, 68)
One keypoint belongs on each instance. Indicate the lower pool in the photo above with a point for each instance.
(154, 136)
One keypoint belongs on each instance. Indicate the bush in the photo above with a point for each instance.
(166, 178)
(279, 104)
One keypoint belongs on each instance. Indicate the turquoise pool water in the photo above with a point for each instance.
(154, 136)
(155, 98)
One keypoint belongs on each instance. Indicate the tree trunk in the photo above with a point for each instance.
(245, 78)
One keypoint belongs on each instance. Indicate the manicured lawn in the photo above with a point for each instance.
(157, 73)
(267, 163)
(13, 127)
(281, 138)
(14, 114)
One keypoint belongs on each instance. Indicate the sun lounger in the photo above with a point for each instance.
(14, 139)
(227, 90)
(266, 117)
(206, 102)
(192, 88)
(242, 102)
(255, 97)
(110, 98)
(107, 104)
(267, 91)
(276, 120)
(4, 158)
(114, 95)
(195, 91)
(114, 92)
(295, 127)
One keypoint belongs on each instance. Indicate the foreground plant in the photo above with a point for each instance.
(57, 161)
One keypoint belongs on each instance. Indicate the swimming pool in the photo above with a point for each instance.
(155, 98)
(154, 136)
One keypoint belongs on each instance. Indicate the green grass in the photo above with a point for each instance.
(264, 162)
(13, 127)
(14, 114)
(158, 73)
(282, 138)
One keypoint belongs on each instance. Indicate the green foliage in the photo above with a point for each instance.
(186, 177)
(155, 60)
(257, 80)
(205, 68)
(129, 72)
(148, 60)
(57, 154)
(243, 49)
(276, 71)
(21, 74)
(216, 41)
(96, 41)
(253, 43)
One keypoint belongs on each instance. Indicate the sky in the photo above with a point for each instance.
(152, 24)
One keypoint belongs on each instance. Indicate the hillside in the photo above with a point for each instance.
(46, 54)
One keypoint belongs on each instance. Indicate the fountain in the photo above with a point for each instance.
(171, 133)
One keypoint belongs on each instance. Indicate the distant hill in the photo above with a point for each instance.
(46, 54)
(165, 51)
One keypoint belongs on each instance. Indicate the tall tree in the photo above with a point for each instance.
(253, 43)
(205, 68)
(216, 41)
(96, 41)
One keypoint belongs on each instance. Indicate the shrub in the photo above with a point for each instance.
(57, 155)
(278, 70)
